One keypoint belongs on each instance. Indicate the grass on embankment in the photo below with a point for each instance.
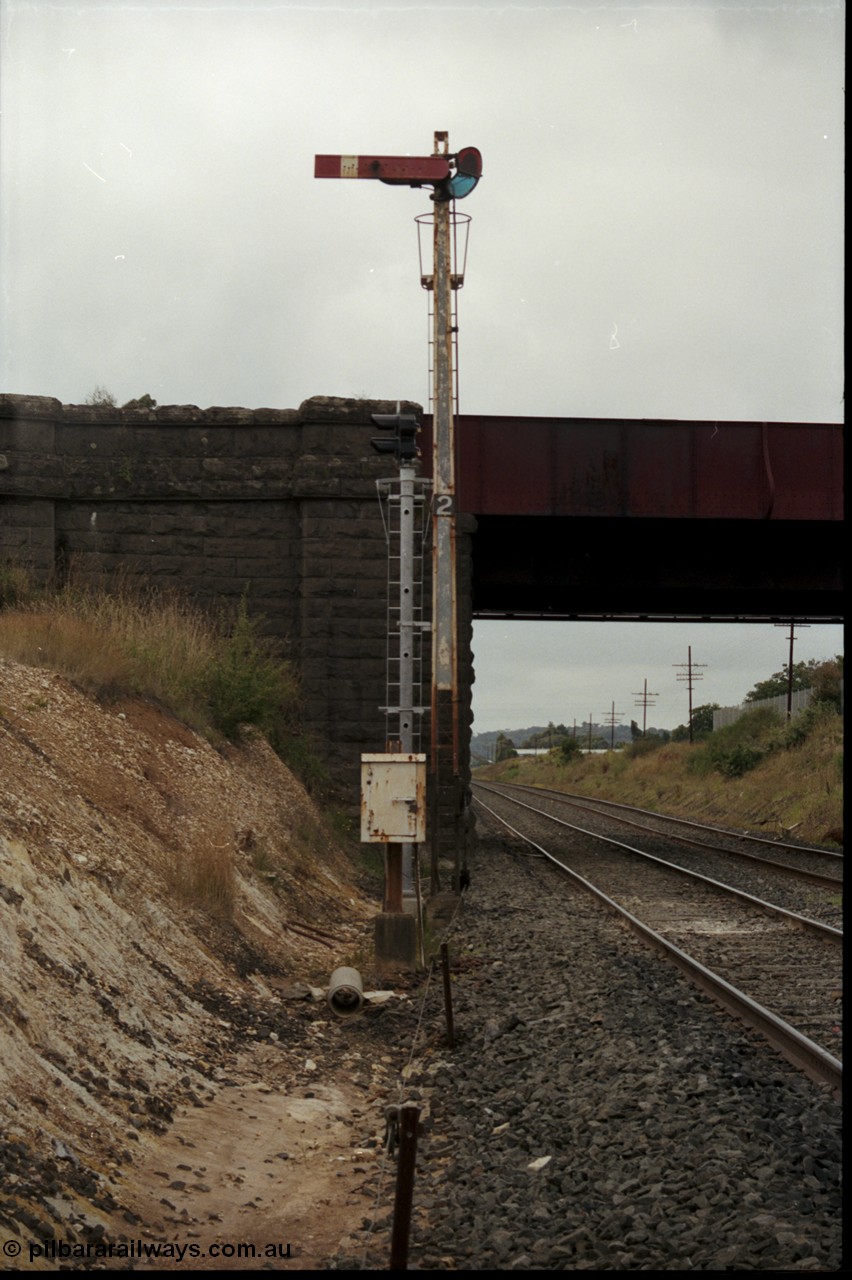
(216, 674)
(761, 777)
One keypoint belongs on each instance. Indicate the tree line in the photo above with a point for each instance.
(823, 676)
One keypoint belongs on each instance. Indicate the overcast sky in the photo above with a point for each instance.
(658, 231)
(530, 673)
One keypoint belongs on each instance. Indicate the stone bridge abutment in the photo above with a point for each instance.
(279, 506)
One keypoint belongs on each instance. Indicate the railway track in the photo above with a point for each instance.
(774, 966)
(809, 863)
(808, 882)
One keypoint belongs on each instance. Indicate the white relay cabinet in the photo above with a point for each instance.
(393, 798)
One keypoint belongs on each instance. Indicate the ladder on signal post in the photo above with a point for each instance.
(401, 632)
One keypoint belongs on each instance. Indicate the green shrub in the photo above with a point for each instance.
(740, 759)
(569, 749)
(803, 725)
(644, 746)
(247, 683)
(739, 747)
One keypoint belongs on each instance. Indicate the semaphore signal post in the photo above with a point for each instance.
(451, 176)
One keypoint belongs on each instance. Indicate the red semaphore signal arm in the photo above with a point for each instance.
(409, 170)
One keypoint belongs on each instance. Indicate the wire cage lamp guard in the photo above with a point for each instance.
(459, 235)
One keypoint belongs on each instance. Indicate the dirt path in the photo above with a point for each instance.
(268, 1169)
(166, 1074)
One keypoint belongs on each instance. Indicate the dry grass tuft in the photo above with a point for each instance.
(206, 875)
(67, 643)
(215, 674)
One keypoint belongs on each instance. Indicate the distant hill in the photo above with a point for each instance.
(482, 744)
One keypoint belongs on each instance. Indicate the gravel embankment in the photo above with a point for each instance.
(598, 1114)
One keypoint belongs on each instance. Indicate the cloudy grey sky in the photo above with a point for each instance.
(658, 232)
(531, 673)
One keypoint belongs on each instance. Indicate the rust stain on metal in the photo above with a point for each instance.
(393, 798)
(647, 467)
(402, 169)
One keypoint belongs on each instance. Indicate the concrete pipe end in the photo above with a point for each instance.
(345, 992)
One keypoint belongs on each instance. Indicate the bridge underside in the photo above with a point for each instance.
(559, 567)
(643, 518)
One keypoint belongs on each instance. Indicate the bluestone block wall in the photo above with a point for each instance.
(279, 505)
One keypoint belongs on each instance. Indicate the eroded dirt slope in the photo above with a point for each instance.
(164, 908)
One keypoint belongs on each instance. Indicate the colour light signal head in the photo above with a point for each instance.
(403, 442)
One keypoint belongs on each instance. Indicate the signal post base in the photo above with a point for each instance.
(396, 941)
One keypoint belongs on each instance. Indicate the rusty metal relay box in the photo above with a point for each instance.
(393, 798)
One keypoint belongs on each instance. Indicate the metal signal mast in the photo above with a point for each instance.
(451, 177)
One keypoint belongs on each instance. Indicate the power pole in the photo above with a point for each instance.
(647, 700)
(691, 675)
(793, 625)
(611, 718)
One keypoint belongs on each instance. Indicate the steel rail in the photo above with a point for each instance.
(803, 922)
(804, 1054)
(689, 822)
(584, 802)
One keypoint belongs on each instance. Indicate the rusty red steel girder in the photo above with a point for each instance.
(646, 467)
